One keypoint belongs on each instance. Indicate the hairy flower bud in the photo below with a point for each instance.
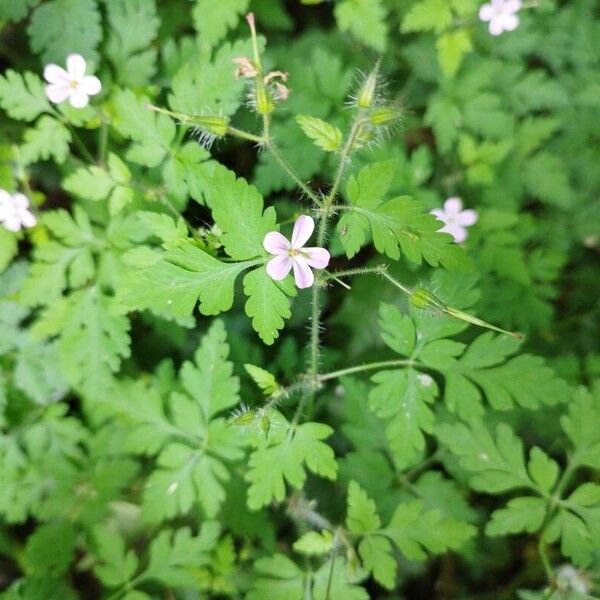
(212, 124)
(366, 94)
(424, 299)
(264, 102)
(385, 115)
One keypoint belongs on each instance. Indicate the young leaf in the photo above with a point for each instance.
(212, 25)
(263, 379)
(116, 566)
(314, 543)
(520, 514)
(365, 20)
(326, 136)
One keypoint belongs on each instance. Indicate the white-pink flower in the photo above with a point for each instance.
(14, 211)
(501, 15)
(455, 219)
(72, 84)
(293, 255)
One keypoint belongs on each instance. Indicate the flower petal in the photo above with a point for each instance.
(302, 274)
(76, 66)
(275, 243)
(467, 218)
(439, 214)
(58, 92)
(279, 267)
(456, 231)
(496, 26)
(303, 229)
(452, 206)
(486, 12)
(55, 74)
(513, 6)
(27, 218)
(91, 85)
(317, 258)
(20, 200)
(510, 22)
(12, 223)
(78, 98)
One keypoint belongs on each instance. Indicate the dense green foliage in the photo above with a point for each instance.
(175, 423)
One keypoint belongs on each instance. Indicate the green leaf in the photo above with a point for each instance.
(278, 579)
(152, 133)
(314, 543)
(494, 465)
(93, 338)
(116, 566)
(237, 208)
(206, 85)
(521, 514)
(133, 28)
(55, 37)
(22, 96)
(326, 136)
(263, 379)
(210, 380)
(362, 514)
(180, 278)
(446, 119)
(271, 466)
(452, 48)
(365, 20)
(397, 329)
(268, 303)
(545, 177)
(543, 469)
(375, 552)
(397, 224)
(577, 540)
(428, 15)
(213, 25)
(415, 530)
(50, 549)
(580, 426)
(15, 10)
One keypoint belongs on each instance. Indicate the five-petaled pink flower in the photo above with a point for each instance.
(294, 255)
(455, 219)
(72, 84)
(501, 15)
(14, 211)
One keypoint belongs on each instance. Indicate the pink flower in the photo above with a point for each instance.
(501, 14)
(72, 84)
(14, 211)
(294, 255)
(455, 219)
(245, 67)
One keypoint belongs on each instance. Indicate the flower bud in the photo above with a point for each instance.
(264, 102)
(385, 115)
(265, 424)
(366, 94)
(424, 299)
(212, 124)
(245, 418)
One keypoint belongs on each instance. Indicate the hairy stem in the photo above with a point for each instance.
(384, 364)
(245, 135)
(291, 173)
(102, 140)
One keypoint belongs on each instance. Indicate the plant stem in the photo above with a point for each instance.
(288, 169)
(80, 145)
(350, 272)
(102, 141)
(384, 364)
(545, 561)
(395, 282)
(245, 135)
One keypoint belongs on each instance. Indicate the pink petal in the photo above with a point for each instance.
(467, 218)
(55, 74)
(318, 258)
(456, 231)
(12, 223)
(452, 206)
(20, 200)
(28, 219)
(303, 229)
(279, 267)
(78, 98)
(496, 27)
(275, 243)
(5, 197)
(58, 92)
(76, 66)
(513, 6)
(91, 85)
(439, 214)
(302, 274)
(486, 12)
(511, 22)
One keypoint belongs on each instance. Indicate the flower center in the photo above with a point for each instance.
(294, 252)
(73, 84)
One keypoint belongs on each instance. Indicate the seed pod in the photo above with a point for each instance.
(424, 299)
(385, 115)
